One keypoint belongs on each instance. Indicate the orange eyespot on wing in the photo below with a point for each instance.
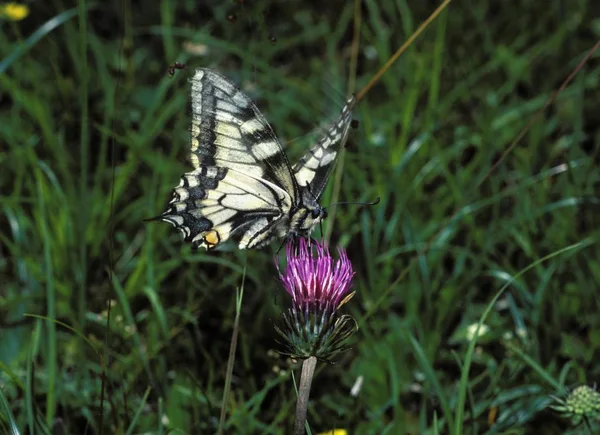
(212, 239)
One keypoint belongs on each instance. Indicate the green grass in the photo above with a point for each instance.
(89, 116)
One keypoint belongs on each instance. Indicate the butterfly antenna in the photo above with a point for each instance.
(377, 201)
(281, 246)
(152, 219)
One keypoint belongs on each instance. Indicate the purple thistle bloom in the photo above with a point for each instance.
(319, 286)
(319, 279)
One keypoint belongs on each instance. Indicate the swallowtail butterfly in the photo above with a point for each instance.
(242, 186)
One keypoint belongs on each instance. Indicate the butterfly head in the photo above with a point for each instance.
(319, 213)
(305, 218)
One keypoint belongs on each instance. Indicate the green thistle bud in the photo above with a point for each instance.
(582, 402)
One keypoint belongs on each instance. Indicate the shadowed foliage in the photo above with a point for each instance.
(94, 136)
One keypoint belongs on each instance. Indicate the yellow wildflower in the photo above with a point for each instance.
(335, 432)
(13, 11)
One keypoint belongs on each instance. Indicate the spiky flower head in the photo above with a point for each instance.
(319, 285)
(582, 402)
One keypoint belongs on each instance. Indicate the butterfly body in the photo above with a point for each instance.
(242, 185)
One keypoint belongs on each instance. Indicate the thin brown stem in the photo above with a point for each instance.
(538, 114)
(308, 369)
(337, 183)
(352, 83)
(355, 46)
(401, 50)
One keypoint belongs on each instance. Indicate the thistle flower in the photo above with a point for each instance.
(319, 285)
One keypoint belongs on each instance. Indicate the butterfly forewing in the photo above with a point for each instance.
(314, 168)
(229, 131)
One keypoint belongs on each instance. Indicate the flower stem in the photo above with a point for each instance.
(232, 348)
(308, 369)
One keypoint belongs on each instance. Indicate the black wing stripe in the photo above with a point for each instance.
(280, 200)
(221, 202)
(314, 168)
(228, 130)
(257, 234)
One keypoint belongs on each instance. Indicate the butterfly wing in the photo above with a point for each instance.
(229, 131)
(313, 170)
(242, 184)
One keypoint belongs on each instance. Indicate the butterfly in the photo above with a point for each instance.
(243, 187)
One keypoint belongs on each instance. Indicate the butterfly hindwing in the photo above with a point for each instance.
(313, 170)
(213, 203)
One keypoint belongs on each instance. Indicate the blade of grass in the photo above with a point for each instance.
(401, 50)
(159, 311)
(431, 376)
(166, 14)
(436, 73)
(83, 209)
(138, 412)
(111, 262)
(7, 417)
(51, 371)
(436, 429)
(29, 392)
(469, 389)
(461, 206)
(339, 171)
(127, 312)
(35, 37)
(70, 328)
(363, 91)
(232, 347)
(464, 379)
(560, 389)
(539, 113)
(13, 377)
